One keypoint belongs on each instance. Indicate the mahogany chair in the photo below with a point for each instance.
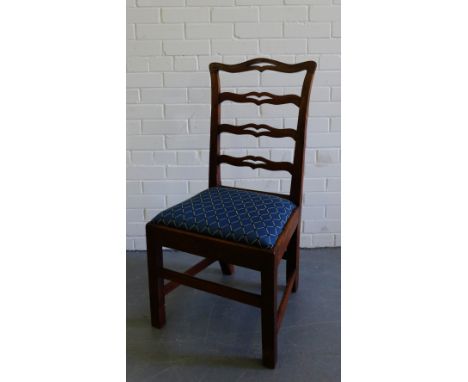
(235, 226)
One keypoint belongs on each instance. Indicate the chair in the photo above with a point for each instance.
(236, 226)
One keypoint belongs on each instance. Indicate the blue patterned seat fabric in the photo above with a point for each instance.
(243, 216)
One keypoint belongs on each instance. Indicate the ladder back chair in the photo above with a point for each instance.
(235, 226)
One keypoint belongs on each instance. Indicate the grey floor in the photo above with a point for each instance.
(208, 338)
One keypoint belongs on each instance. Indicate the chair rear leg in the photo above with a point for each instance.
(269, 320)
(156, 283)
(227, 269)
(292, 260)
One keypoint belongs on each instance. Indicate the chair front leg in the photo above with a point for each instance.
(155, 281)
(292, 260)
(269, 319)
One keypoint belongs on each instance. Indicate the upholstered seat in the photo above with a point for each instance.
(243, 216)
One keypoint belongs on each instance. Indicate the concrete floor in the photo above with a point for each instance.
(208, 338)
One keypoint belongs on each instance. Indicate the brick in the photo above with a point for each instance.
(186, 14)
(135, 214)
(270, 78)
(321, 109)
(258, 2)
(335, 124)
(163, 95)
(133, 188)
(324, 45)
(321, 140)
(234, 46)
(196, 186)
(336, 29)
(314, 171)
(334, 184)
(251, 78)
(145, 172)
(211, 2)
(160, 31)
(188, 157)
(131, 32)
(199, 126)
(318, 125)
(145, 201)
(141, 16)
(330, 62)
(187, 172)
(321, 198)
(328, 78)
(186, 80)
(276, 142)
(137, 64)
(165, 187)
(187, 142)
(136, 229)
(231, 141)
(314, 212)
(324, 13)
(144, 111)
(234, 14)
(133, 96)
(307, 29)
(268, 185)
(160, 63)
(287, 110)
(282, 155)
(164, 157)
(184, 48)
(199, 95)
(283, 46)
(328, 156)
(144, 48)
(187, 64)
(172, 200)
(336, 94)
(133, 127)
(187, 111)
(238, 110)
(283, 13)
(144, 80)
(311, 2)
(163, 127)
(322, 240)
(139, 244)
(321, 226)
(145, 142)
(333, 212)
(314, 185)
(160, 3)
(142, 158)
(258, 30)
(201, 31)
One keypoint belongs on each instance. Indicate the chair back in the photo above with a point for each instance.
(296, 168)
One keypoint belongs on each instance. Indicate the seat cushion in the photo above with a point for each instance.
(243, 216)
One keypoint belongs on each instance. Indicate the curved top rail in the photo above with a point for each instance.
(272, 65)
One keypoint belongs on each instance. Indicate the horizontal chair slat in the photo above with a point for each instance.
(214, 288)
(273, 99)
(197, 268)
(272, 65)
(264, 163)
(247, 129)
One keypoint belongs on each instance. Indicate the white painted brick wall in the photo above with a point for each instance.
(170, 44)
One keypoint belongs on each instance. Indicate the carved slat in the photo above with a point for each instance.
(249, 161)
(247, 129)
(273, 99)
(272, 65)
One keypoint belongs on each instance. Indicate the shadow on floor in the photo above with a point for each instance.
(209, 338)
